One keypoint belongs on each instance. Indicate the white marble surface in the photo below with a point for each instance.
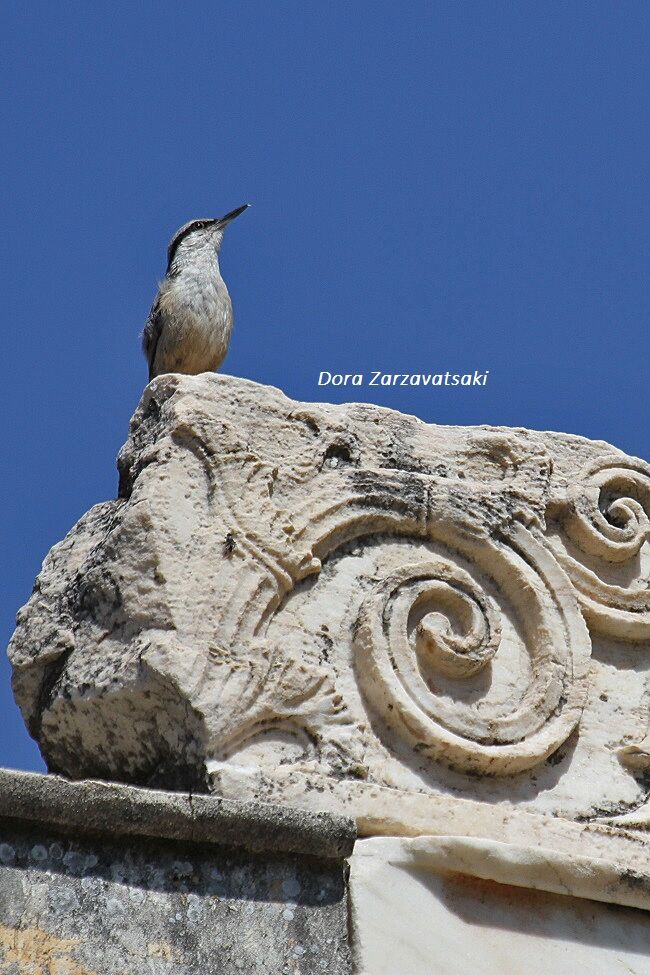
(410, 918)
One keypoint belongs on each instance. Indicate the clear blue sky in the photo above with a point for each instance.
(436, 185)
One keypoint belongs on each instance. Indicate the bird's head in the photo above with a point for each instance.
(199, 233)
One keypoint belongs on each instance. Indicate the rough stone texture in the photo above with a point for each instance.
(437, 630)
(103, 807)
(413, 913)
(125, 900)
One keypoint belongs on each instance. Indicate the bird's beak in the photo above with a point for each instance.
(222, 221)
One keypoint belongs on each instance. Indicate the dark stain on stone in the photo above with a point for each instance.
(339, 452)
(326, 647)
(555, 757)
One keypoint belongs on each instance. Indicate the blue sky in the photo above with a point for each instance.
(437, 186)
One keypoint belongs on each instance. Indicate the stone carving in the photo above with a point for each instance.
(605, 522)
(346, 608)
(400, 640)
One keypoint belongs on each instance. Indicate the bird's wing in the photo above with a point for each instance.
(151, 334)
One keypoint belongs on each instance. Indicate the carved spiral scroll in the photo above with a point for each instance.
(432, 616)
(606, 516)
(607, 512)
(424, 600)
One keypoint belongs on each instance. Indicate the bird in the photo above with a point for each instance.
(190, 323)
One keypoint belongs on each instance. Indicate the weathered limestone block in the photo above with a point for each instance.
(102, 879)
(438, 630)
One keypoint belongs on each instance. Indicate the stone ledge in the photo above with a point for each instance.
(110, 809)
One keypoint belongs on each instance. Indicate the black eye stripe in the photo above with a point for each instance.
(182, 233)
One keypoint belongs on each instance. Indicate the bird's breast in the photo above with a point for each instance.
(202, 295)
(200, 300)
(197, 314)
